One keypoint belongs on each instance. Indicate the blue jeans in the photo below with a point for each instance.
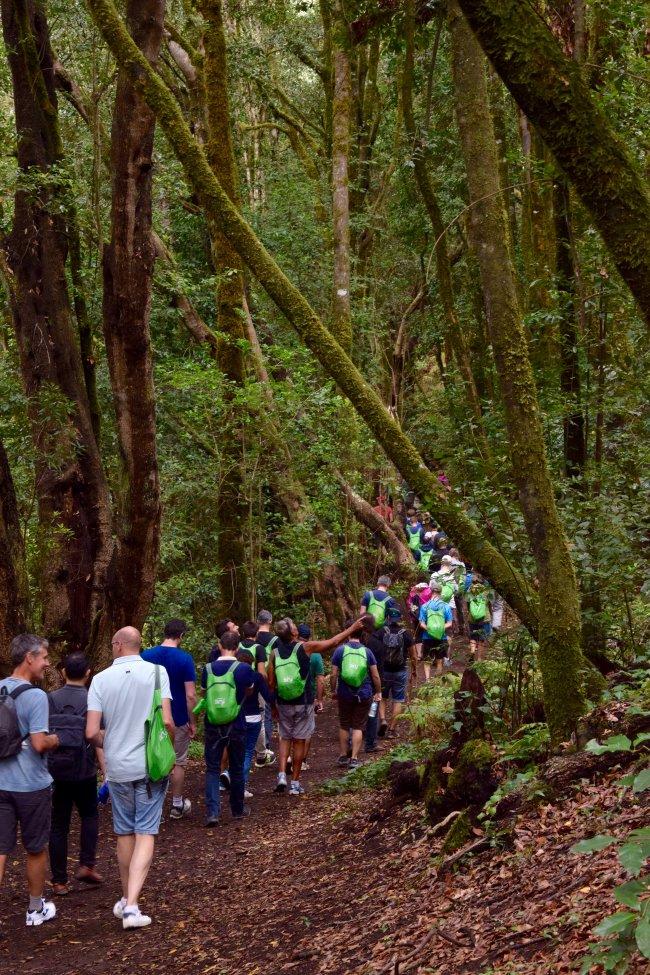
(217, 739)
(268, 725)
(372, 727)
(252, 734)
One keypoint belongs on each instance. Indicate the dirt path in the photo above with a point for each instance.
(247, 897)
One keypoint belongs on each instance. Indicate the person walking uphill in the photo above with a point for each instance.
(73, 766)
(355, 681)
(182, 682)
(121, 698)
(378, 601)
(288, 676)
(226, 682)
(25, 796)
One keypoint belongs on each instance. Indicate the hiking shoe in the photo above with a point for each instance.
(296, 789)
(269, 757)
(282, 782)
(118, 908)
(46, 912)
(211, 821)
(343, 761)
(373, 748)
(246, 811)
(383, 728)
(248, 794)
(391, 733)
(447, 662)
(306, 766)
(88, 875)
(224, 781)
(60, 890)
(355, 763)
(177, 812)
(135, 919)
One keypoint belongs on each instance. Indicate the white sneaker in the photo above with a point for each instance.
(118, 908)
(296, 789)
(177, 812)
(282, 782)
(136, 919)
(46, 913)
(248, 794)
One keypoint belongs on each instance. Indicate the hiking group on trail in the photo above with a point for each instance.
(135, 722)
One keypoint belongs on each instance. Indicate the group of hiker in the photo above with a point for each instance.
(134, 722)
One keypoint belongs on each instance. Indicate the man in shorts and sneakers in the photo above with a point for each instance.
(355, 681)
(182, 682)
(25, 783)
(120, 697)
(398, 649)
(436, 622)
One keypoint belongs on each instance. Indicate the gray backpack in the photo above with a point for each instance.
(11, 740)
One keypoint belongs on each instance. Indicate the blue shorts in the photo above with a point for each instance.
(480, 631)
(393, 684)
(134, 811)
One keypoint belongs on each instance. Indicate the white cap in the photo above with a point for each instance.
(447, 560)
(428, 536)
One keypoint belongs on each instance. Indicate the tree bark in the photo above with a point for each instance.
(232, 504)
(73, 503)
(13, 582)
(128, 275)
(550, 90)
(341, 123)
(367, 515)
(560, 655)
(221, 212)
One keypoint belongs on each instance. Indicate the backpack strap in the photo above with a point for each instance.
(17, 691)
(156, 686)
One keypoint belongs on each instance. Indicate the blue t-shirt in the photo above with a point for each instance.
(251, 706)
(440, 607)
(343, 690)
(244, 678)
(180, 669)
(27, 771)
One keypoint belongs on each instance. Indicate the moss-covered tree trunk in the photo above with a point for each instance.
(341, 122)
(128, 263)
(13, 583)
(559, 630)
(232, 503)
(224, 216)
(76, 545)
(551, 91)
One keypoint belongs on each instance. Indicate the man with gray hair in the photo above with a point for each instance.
(25, 793)
(378, 601)
(121, 698)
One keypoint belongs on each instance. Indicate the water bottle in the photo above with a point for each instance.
(103, 794)
(374, 707)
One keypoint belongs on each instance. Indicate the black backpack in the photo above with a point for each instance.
(394, 650)
(75, 757)
(11, 740)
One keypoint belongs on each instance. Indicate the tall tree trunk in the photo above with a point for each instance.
(232, 504)
(73, 503)
(550, 89)
(13, 583)
(221, 213)
(559, 631)
(128, 263)
(341, 123)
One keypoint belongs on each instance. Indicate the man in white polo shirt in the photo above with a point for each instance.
(120, 699)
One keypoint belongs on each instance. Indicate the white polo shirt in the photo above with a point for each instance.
(123, 694)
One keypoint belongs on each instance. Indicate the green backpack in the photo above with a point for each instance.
(158, 746)
(221, 705)
(289, 682)
(354, 666)
(425, 560)
(436, 624)
(446, 592)
(377, 609)
(413, 537)
(477, 609)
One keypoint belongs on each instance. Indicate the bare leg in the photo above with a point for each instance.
(439, 667)
(397, 708)
(3, 864)
(285, 746)
(36, 867)
(125, 847)
(298, 756)
(139, 867)
(427, 669)
(357, 738)
(177, 780)
(343, 740)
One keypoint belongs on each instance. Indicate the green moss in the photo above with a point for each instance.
(459, 833)
(474, 758)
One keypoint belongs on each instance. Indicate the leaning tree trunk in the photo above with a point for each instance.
(128, 275)
(550, 88)
(560, 654)
(222, 214)
(366, 514)
(73, 502)
(232, 505)
(13, 583)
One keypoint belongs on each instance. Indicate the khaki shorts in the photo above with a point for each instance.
(297, 721)
(182, 740)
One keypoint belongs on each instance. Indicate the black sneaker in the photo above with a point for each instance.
(246, 811)
(211, 821)
(383, 728)
(343, 761)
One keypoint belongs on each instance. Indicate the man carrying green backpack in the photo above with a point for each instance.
(378, 601)
(226, 682)
(355, 681)
(436, 621)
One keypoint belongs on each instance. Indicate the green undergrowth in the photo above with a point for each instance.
(374, 774)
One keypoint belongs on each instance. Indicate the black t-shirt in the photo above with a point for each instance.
(256, 648)
(264, 638)
(285, 650)
(407, 643)
(375, 642)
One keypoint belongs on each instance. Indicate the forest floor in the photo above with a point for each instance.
(317, 886)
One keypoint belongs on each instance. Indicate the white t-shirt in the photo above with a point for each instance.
(123, 693)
